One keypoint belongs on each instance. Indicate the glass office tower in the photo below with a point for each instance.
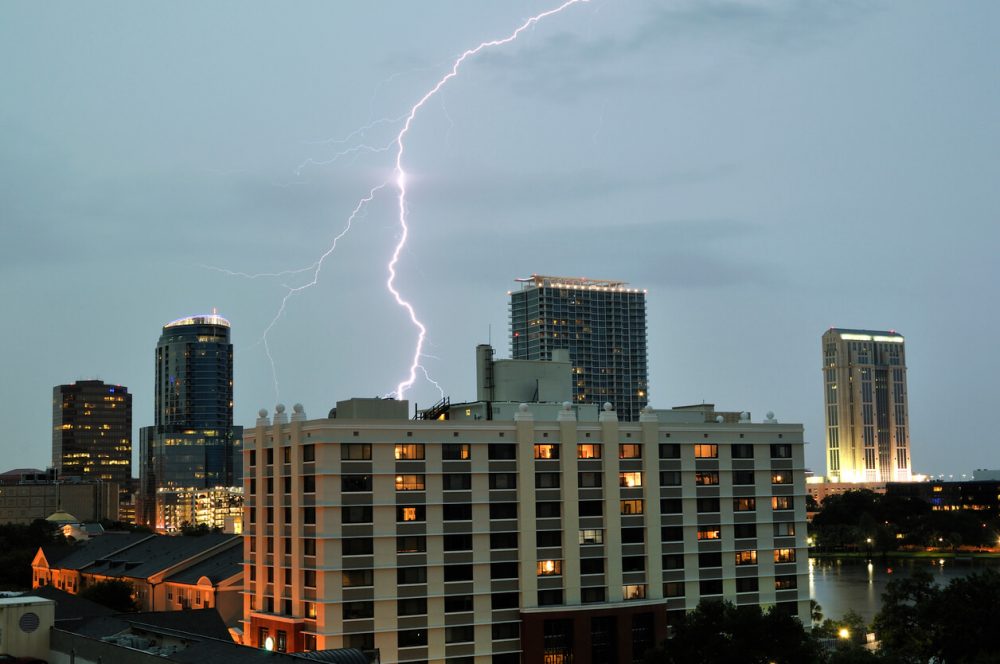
(193, 443)
(601, 323)
(92, 431)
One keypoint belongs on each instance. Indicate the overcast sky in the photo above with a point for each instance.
(767, 169)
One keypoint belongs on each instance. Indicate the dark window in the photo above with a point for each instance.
(781, 451)
(503, 570)
(546, 480)
(592, 566)
(455, 452)
(360, 641)
(746, 584)
(711, 587)
(550, 597)
(458, 542)
(673, 561)
(253, 458)
(356, 514)
(503, 481)
(411, 575)
(457, 481)
(547, 538)
(547, 510)
(355, 483)
(458, 572)
(411, 606)
(357, 546)
(743, 477)
(308, 453)
(745, 530)
(590, 595)
(286, 484)
(708, 505)
(503, 540)
(457, 512)
(633, 563)
(355, 451)
(670, 478)
(673, 589)
(742, 451)
(270, 456)
(309, 484)
(457, 603)
(309, 515)
(408, 638)
(459, 634)
(504, 601)
(510, 630)
(356, 577)
(591, 508)
(711, 559)
(411, 543)
(633, 535)
(670, 451)
(671, 533)
(357, 610)
(589, 479)
(503, 510)
(502, 451)
(671, 506)
(309, 547)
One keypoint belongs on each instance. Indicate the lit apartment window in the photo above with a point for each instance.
(588, 451)
(409, 451)
(744, 504)
(546, 451)
(708, 478)
(784, 555)
(706, 451)
(781, 503)
(409, 482)
(629, 451)
(630, 479)
(592, 536)
(549, 567)
(631, 506)
(410, 513)
(781, 478)
(634, 591)
(709, 533)
(748, 557)
(356, 451)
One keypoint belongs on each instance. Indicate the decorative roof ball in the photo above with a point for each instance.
(280, 408)
(262, 412)
(298, 408)
(608, 407)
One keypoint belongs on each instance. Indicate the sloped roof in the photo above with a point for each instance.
(197, 622)
(155, 554)
(217, 568)
(86, 553)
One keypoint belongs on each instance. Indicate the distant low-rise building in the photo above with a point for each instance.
(27, 495)
(977, 496)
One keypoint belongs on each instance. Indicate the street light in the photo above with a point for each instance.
(844, 633)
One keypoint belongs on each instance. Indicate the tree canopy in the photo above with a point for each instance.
(113, 593)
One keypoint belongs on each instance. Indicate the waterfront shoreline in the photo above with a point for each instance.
(907, 555)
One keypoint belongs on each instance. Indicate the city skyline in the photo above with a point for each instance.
(747, 164)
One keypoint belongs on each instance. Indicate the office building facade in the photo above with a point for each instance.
(92, 431)
(601, 323)
(514, 541)
(867, 408)
(192, 443)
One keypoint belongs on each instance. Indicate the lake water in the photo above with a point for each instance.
(843, 584)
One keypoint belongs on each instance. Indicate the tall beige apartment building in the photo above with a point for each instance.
(536, 538)
(867, 411)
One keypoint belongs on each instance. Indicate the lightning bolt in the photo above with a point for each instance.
(400, 174)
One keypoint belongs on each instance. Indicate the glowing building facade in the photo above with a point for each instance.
(516, 540)
(601, 323)
(92, 431)
(867, 409)
(193, 443)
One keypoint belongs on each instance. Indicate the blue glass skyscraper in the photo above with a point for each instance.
(193, 443)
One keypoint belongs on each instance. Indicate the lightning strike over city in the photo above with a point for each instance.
(400, 180)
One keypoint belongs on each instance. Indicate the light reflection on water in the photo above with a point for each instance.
(851, 583)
